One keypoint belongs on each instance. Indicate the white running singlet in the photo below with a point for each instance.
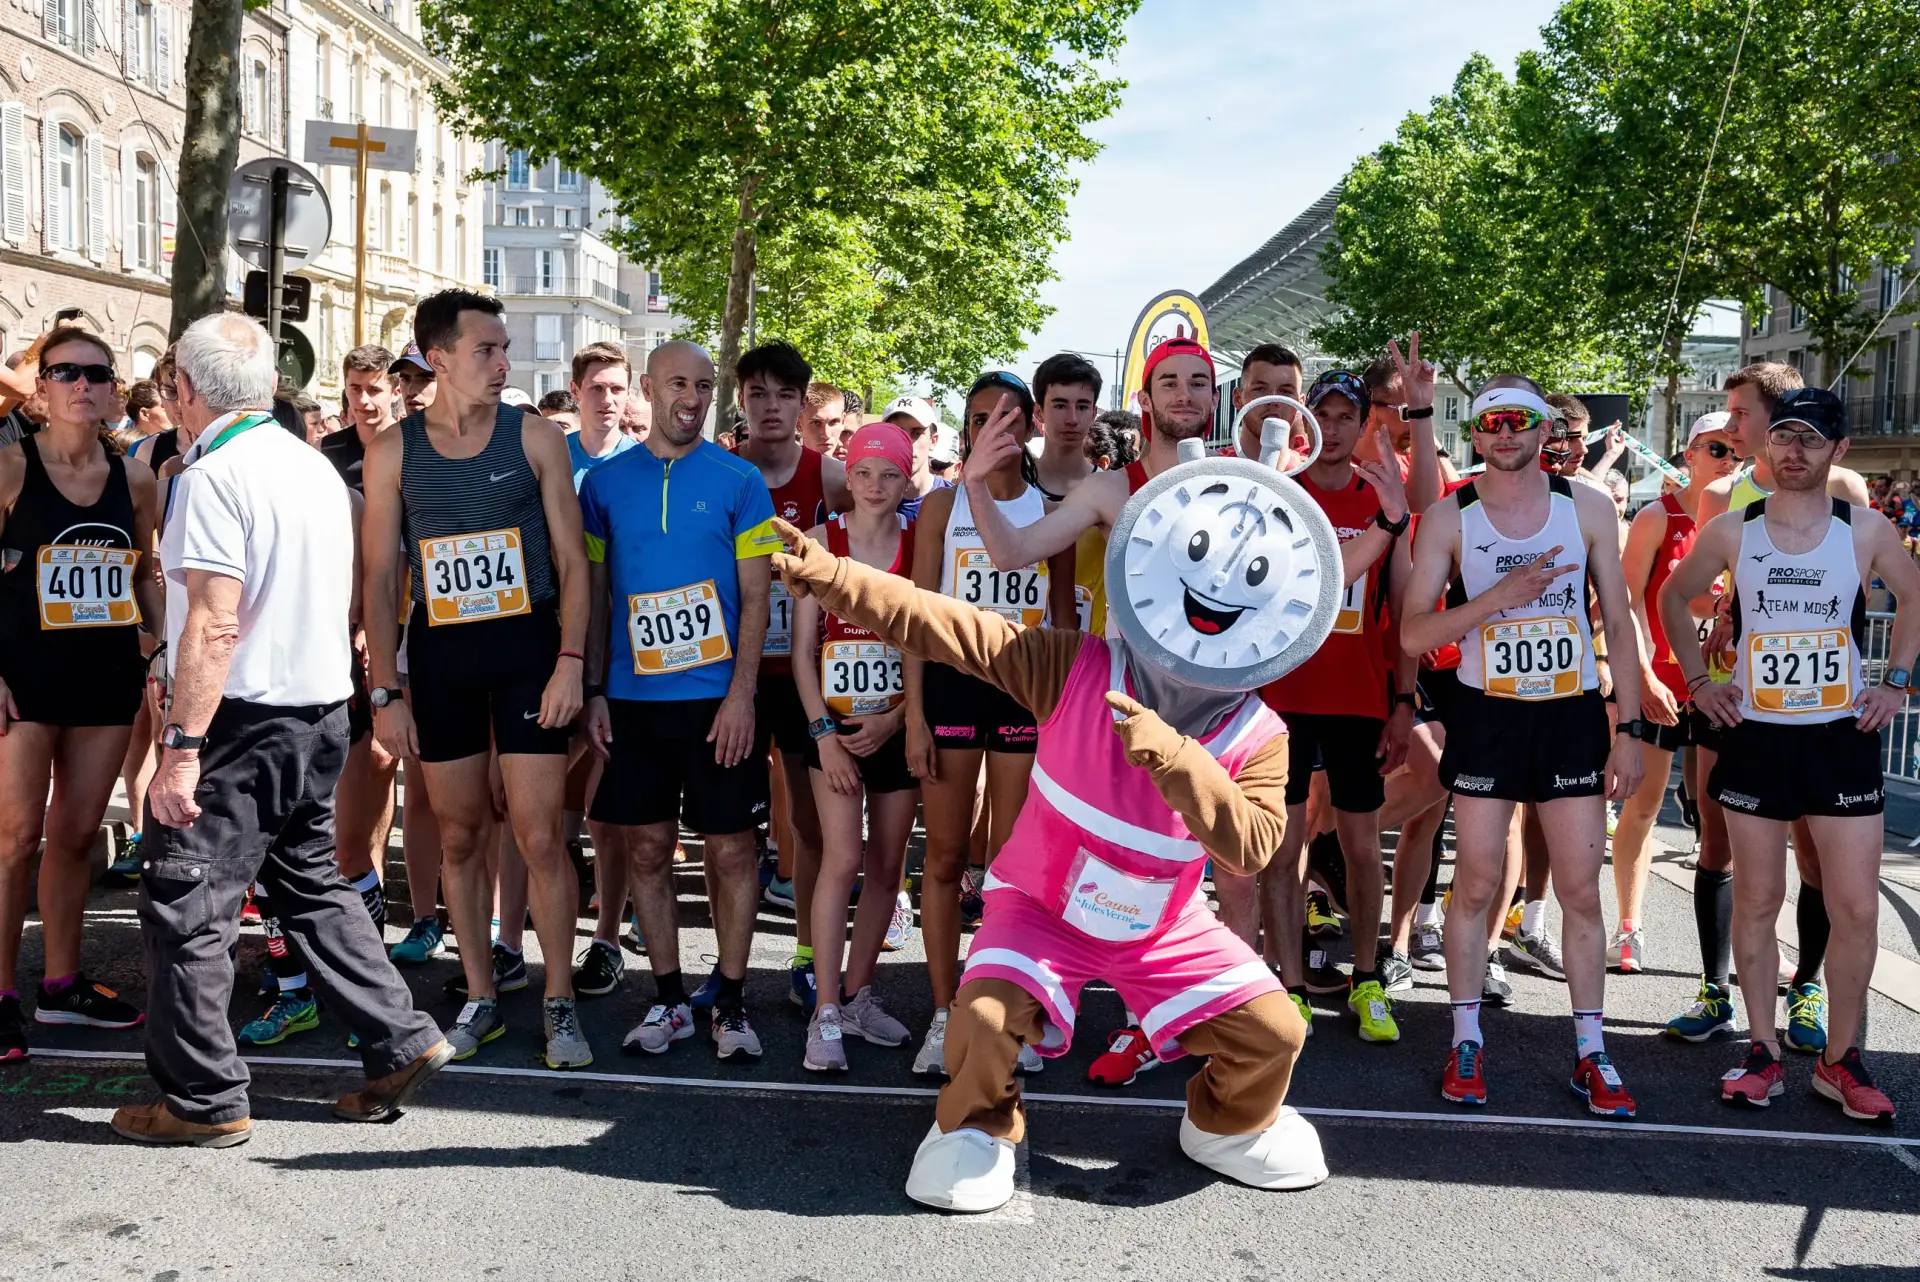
(967, 573)
(1798, 623)
(1542, 650)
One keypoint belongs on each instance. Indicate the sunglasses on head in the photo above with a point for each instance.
(70, 372)
(1515, 419)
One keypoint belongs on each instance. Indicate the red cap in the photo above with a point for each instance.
(881, 440)
(1181, 346)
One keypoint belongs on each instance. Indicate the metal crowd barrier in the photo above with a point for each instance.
(1900, 741)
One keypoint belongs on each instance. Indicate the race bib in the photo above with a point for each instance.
(1532, 658)
(677, 630)
(1018, 596)
(1798, 672)
(1353, 607)
(779, 621)
(1083, 606)
(474, 576)
(1106, 903)
(83, 587)
(860, 678)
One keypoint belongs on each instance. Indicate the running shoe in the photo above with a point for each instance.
(88, 1003)
(1758, 1080)
(900, 929)
(478, 1023)
(973, 904)
(866, 1018)
(1426, 950)
(125, 871)
(1628, 951)
(1465, 1080)
(1496, 989)
(803, 987)
(826, 1052)
(1128, 1055)
(598, 970)
(1396, 972)
(1320, 919)
(1511, 926)
(1806, 1028)
(425, 939)
(733, 1036)
(1538, 951)
(779, 892)
(249, 911)
(1322, 975)
(1848, 1085)
(1371, 1005)
(932, 1059)
(1613, 818)
(1305, 1008)
(1597, 1081)
(662, 1027)
(566, 1044)
(769, 863)
(509, 974)
(13, 1030)
(1029, 1062)
(633, 938)
(1328, 864)
(374, 900)
(705, 995)
(289, 1014)
(1710, 1015)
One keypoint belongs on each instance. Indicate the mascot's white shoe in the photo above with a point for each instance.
(1284, 1156)
(964, 1170)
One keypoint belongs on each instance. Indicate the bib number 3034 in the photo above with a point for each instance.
(1018, 596)
(860, 678)
(1797, 672)
(1532, 658)
(676, 630)
(474, 576)
(85, 587)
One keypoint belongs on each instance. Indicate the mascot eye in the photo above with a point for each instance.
(1197, 545)
(1257, 571)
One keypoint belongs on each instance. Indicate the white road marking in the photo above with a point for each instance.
(1903, 1146)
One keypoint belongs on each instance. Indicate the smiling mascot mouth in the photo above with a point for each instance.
(1207, 618)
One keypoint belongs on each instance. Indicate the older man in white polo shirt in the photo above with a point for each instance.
(258, 556)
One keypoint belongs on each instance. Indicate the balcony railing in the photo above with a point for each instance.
(1883, 415)
(563, 287)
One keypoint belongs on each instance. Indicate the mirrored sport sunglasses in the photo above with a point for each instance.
(69, 372)
(1515, 419)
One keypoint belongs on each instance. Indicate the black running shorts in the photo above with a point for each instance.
(966, 712)
(662, 770)
(476, 686)
(1342, 746)
(1521, 750)
(883, 771)
(1439, 695)
(778, 712)
(1787, 772)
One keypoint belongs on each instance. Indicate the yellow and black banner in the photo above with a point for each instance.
(1174, 314)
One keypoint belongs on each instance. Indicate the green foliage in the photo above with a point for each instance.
(895, 172)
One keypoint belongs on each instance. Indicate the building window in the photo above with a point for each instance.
(356, 90)
(549, 271)
(1891, 287)
(546, 338)
(145, 235)
(490, 267)
(142, 64)
(384, 104)
(383, 232)
(568, 180)
(1797, 359)
(518, 173)
(61, 21)
(1797, 318)
(520, 216)
(1846, 284)
(256, 115)
(565, 214)
(656, 301)
(459, 248)
(66, 209)
(323, 78)
(1453, 409)
(439, 242)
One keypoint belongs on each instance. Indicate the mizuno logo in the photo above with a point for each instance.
(498, 476)
(1483, 547)
(1760, 557)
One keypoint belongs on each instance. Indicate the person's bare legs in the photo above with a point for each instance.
(736, 875)
(1509, 874)
(1632, 855)
(1412, 862)
(649, 850)
(1480, 828)
(889, 826)
(536, 786)
(804, 824)
(137, 767)
(840, 855)
(363, 809)
(26, 766)
(1850, 851)
(86, 762)
(1239, 904)
(463, 804)
(420, 847)
(1759, 888)
(1416, 782)
(510, 889)
(1575, 833)
(1007, 776)
(948, 799)
(1366, 882)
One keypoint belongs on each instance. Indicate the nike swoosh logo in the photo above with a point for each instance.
(529, 716)
(498, 476)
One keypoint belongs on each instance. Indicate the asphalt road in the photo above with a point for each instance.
(677, 1166)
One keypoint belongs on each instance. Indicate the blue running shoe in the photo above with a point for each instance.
(779, 892)
(125, 871)
(704, 995)
(289, 1014)
(424, 940)
(1806, 1019)
(802, 988)
(1711, 1015)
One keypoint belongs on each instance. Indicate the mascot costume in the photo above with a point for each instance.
(1154, 754)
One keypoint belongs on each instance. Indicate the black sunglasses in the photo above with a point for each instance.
(69, 372)
(1717, 449)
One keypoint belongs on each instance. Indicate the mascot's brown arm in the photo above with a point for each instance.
(1030, 664)
(1239, 820)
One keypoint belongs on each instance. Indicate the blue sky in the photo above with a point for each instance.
(1238, 114)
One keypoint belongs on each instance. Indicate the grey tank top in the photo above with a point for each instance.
(445, 497)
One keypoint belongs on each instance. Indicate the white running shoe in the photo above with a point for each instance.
(932, 1059)
(964, 1170)
(865, 1017)
(1029, 1061)
(900, 928)
(663, 1026)
(566, 1045)
(733, 1036)
(826, 1051)
(1284, 1156)
(1628, 951)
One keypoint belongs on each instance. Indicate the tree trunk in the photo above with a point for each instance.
(733, 322)
(207, 157)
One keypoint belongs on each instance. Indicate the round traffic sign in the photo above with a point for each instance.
(250, 203)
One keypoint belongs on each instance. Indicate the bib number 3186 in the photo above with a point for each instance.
(1018, 596)
(676, 630)
(1532, 658)
(474, 576)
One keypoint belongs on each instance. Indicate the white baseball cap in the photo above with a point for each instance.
(945, 447)
(514, 396)
(917, 408)
(1716, 421)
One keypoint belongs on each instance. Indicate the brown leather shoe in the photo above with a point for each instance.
(155, 1124)
(385, 1097)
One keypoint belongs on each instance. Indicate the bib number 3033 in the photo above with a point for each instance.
(860, 678)
(1018, 596)
(1532, 658)
(86, 587)
(676, 630)
(1797, 672)
(474, 576)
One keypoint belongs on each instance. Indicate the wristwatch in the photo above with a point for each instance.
(818, 730)
(1406, 698)
(381, 696)
(1899, 678)
(1425, 411)
(1637, 728)
(592, 690)
(1395, 528)
(174, 737)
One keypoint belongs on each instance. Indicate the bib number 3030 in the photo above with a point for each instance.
(1018, 596)
(676, 630)
(86, 587)
(1798, 672)
(474, 576)
(1532, 658)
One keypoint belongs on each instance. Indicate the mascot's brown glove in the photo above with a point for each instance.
(805, 565)
(1151, 743)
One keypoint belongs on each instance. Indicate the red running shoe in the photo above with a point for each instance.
(1597, 1081)
(1758, 1079)
(1848, 1085)
(1464, 1081)
(1127, 1056)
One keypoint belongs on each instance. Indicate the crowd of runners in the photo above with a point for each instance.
(573, 660)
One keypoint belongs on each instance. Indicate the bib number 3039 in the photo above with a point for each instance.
(1018, 596)
(861, 678)
(676, 630)
(1796, 672)
(474, 576)
(1532, 658)
(85, 587)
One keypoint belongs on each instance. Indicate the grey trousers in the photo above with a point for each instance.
(267, 777)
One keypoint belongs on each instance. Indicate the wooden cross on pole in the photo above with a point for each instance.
(362, 146)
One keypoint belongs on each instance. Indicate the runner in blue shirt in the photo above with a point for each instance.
(600, 376)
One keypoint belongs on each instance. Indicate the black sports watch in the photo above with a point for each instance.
(818, 730)
(381, 696)
(1899, 678)
(1408, 699)
(593, 690)
(1395, 528)
(1425, 411)
(1637, 728)
(176, 738)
